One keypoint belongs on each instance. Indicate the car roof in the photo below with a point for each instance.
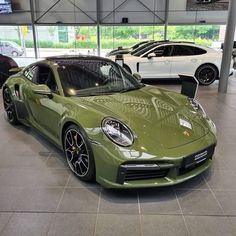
(72, 58)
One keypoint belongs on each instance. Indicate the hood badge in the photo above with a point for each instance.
(186, 133)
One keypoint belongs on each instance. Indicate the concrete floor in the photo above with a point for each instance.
(40, 196)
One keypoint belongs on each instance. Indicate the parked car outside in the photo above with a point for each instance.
(11, 48)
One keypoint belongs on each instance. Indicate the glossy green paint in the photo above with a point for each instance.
(152, 114)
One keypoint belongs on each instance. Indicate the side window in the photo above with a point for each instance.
(30, 72)
(167, 51)
(46, 76)
(181, 50)
(162, 51)
(198, 51)
(159, 52)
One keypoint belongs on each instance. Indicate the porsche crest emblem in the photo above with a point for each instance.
(186, 133)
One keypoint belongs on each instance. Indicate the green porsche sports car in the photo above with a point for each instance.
(111, 127)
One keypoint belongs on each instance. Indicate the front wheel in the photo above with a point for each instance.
(9, 107)
(79, 153)
(206, 74)
(14, 54)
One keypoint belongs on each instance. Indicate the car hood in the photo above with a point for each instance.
(155, 116)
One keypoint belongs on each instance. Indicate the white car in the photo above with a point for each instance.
(169, 59)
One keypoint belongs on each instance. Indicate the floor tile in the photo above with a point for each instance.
(75, 182)
(166, 225)
(4, 218)
(119, 201)
(198, 202)
(80, 200)
(38, 199)
(33, 178)
(158, 201)
(28, 224)
(116, 225)
(73, 224)
(221, 179)
(209, 225)
(227, 200)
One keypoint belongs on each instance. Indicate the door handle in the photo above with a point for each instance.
(194, 60)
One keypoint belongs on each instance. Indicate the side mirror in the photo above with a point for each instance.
(137, 77)
(151, 55)
(43, 90)
(15, 70)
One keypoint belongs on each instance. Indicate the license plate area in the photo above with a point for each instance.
(198, 158)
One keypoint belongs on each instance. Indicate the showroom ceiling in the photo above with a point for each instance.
(111, 12)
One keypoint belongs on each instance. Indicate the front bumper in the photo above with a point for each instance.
(113, 172)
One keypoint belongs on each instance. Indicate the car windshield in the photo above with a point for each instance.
(13, 44)
(92, 77)
(145, 49)
(142, 47)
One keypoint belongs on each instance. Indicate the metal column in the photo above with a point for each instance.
(98, 28)
(228, 47)
(33, 28)
(166, 19)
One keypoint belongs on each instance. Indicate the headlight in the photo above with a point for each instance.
(197, 106)
(118, 132)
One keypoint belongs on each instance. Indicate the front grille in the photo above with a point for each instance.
(130, 172)
(144, 174)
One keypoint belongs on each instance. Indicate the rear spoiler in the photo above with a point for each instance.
(189, 85)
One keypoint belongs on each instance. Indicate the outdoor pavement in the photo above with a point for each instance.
(40, 196)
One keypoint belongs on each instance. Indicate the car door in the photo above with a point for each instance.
(156, 63)
(46, 112)
(183, 60)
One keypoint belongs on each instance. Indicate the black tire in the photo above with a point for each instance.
(9, 107)
(207, 74)
(15, 54)
(127, 68)
(79, 153)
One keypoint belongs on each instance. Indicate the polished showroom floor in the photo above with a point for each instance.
(40, 196)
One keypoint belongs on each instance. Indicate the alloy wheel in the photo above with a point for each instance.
(76, 151)
(206, 76)
(8, 105)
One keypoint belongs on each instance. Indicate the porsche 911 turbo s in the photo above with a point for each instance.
(111, 127)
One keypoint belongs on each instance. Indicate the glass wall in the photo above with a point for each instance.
(17, 41)
(66, 40)
(206, 35)
(126, 36)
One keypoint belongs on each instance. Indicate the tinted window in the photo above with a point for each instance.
(46, 76)
(163, 51)
(184, 50)
(30, 72)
